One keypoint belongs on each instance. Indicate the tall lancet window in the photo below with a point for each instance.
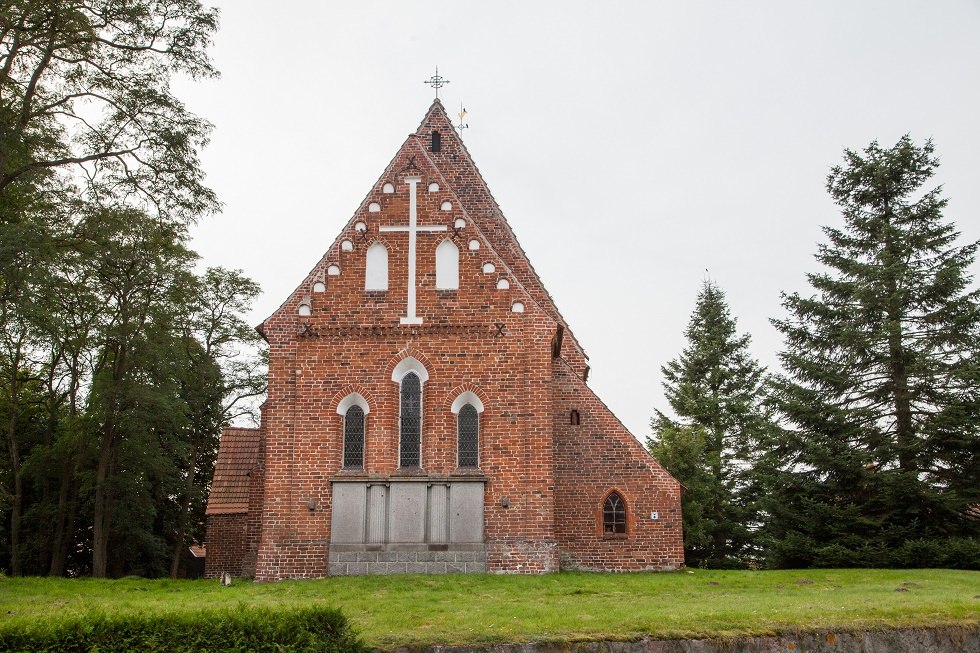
(354, 437)
(447, 266)
(468, 436)
(410, 422)
(376, 268)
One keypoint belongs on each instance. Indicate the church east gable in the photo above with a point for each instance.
(413, 387)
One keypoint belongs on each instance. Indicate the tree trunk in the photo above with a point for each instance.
(185, 503)
(904, 429)
(14, 449)
(100, 527)
(65, 522)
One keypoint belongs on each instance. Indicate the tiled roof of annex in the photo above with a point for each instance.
(238, 454)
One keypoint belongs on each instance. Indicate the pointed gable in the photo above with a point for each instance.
(460, 181)
(456, 166)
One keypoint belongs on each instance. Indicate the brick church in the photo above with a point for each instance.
(428, 410)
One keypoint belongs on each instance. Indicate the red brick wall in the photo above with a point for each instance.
(357, 344)
(226, 545)
(470, 339)
(593, 459)
(253, 521)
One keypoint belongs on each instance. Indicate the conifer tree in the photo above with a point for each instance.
(716, 389)
(881, 459)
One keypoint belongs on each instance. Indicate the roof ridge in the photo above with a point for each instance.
(500, 218)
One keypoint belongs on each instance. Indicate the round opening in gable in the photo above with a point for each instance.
(474, 244)
(374, 207)
(433, 187)
(304, 310)
(319, 286)
(346, 246)
(388, 189)
(447, 206)
(517, 307)
(333, 270)
(488, 268)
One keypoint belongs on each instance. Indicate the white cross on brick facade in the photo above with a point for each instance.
(412, 229)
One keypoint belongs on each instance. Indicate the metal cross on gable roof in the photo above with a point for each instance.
(436, 82)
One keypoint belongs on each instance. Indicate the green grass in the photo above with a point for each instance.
(473, 609)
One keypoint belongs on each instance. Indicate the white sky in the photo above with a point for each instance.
(631, 145)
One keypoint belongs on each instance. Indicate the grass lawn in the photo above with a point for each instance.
(472, 609)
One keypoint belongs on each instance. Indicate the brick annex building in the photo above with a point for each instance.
(428, 408)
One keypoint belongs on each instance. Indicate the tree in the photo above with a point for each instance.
(716, 390)
(882, 387)
(85, 93)
(224, 372)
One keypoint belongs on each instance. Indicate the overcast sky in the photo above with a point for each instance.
(635, 147)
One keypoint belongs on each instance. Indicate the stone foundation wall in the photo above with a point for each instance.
(407, 560)
(912, 640)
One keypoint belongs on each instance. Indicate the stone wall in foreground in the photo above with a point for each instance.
(911, 640)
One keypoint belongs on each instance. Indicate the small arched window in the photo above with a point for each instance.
(410, 422)
(614, 515)
(354, 437)
(468, 436)
(447, 266)
(436, 141)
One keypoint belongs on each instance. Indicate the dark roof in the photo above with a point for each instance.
(238, 454)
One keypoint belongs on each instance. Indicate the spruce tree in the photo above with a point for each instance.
(716, 389)
(881, 458)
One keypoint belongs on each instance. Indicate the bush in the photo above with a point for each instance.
(309, 630)
(950, 553)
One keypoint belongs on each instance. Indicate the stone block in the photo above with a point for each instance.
(415, 567)
(345, 556)
(456, 568)
(476, 567)
(337, 569)
(357, 568)
(407, 556)
(406, 519)
(387, 556)
(367, 556)
(347, 518)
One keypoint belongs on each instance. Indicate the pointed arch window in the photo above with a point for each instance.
(376, 268)
(447, 266)
(410, 422)
(614, 515)
(468, 437)
(354, 437)
(353, 408)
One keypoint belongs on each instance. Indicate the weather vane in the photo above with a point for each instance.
(436, 82)
(462, 114)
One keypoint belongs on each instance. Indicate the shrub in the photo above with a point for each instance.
(308, 630)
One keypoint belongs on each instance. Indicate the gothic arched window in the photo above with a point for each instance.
(410, 422)
(468, 436)
(614, 515)
(354, 437)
